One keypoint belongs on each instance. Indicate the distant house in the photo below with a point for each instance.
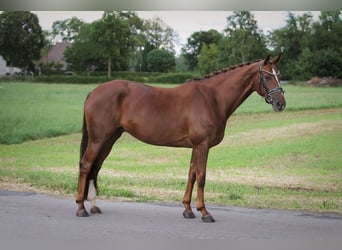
(56, 55)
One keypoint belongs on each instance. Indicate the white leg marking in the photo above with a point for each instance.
(92, 193)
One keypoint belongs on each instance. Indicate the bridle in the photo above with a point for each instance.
(262, 81)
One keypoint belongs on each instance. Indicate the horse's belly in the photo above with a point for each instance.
(160, 137)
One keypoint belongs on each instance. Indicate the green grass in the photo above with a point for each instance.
(288, 160)
(33, 111)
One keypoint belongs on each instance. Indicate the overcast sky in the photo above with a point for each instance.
(182, 22)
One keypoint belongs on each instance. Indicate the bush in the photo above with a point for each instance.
(171, 78)
(143, 77)
(71, 79)
(160, 60)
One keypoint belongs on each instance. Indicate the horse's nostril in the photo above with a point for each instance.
(279, 104)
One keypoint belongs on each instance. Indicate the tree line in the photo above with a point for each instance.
(122, 41)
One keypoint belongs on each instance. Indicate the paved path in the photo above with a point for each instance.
(32, 216)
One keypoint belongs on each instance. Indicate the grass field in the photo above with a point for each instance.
(289, 160)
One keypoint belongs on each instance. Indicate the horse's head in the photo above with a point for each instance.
(269, 83)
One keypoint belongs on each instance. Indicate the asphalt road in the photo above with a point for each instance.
(36, 216)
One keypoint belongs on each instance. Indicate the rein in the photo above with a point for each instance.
(262, 81)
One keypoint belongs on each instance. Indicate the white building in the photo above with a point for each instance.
(4, 70)
(3, 66)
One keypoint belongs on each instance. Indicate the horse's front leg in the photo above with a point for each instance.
(201, 165)
(197, 173)
(188, 214)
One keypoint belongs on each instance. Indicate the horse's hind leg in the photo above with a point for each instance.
(92, 177)
(86, 164)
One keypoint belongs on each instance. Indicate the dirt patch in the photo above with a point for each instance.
(289, 131)
(325, 81)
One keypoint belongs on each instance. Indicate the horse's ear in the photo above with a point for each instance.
(276, 60)
(267, 59)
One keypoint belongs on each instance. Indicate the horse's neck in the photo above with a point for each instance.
(233, 88)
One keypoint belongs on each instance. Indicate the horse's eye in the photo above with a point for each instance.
(268, 77)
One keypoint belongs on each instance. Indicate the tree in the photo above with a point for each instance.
(113, 41)
(243, 40)
(67, 29)
(159, 35)
(292, 39)
(192, 49)
(327, 32)
(322, 63)
(311, 48)
(85, 53)
(321, 55)
(209, 59)
(113, 33)
(241, 20)
(180, 64)
(160, 60)
(156, 35)
(137, 39)
(21, 38)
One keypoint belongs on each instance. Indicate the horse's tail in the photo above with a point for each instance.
(84, 141)
(83, 148)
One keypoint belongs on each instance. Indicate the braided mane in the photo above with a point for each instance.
(223, 70)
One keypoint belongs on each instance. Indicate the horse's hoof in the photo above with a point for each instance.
(95, 210)
(188, 214)
(208, 218)
(82, 213)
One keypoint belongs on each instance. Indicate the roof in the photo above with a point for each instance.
(56, 54)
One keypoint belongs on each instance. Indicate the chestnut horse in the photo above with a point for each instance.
(192, 115)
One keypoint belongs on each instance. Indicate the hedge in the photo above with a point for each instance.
(142, 77)
(171, 78)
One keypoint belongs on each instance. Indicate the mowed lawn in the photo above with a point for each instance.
(288, 160)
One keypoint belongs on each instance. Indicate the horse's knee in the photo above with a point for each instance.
(84, 168)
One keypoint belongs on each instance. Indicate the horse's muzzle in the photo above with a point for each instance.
(278, 104)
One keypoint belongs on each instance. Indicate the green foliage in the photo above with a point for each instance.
(180, 64)
(159, 35)
(120, 40)
(209, 59)
(110, 34)
(21, 38)
(143, 77)
(241, 20)
(160, 60)
(192, 49)
(310, 48)
(322, 63)
(104, 43)
(71, 79)
(243, 41)
(171, 78)
(328, 31)
(84, 53)
(67, 29)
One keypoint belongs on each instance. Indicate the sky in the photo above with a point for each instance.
(184, 23)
